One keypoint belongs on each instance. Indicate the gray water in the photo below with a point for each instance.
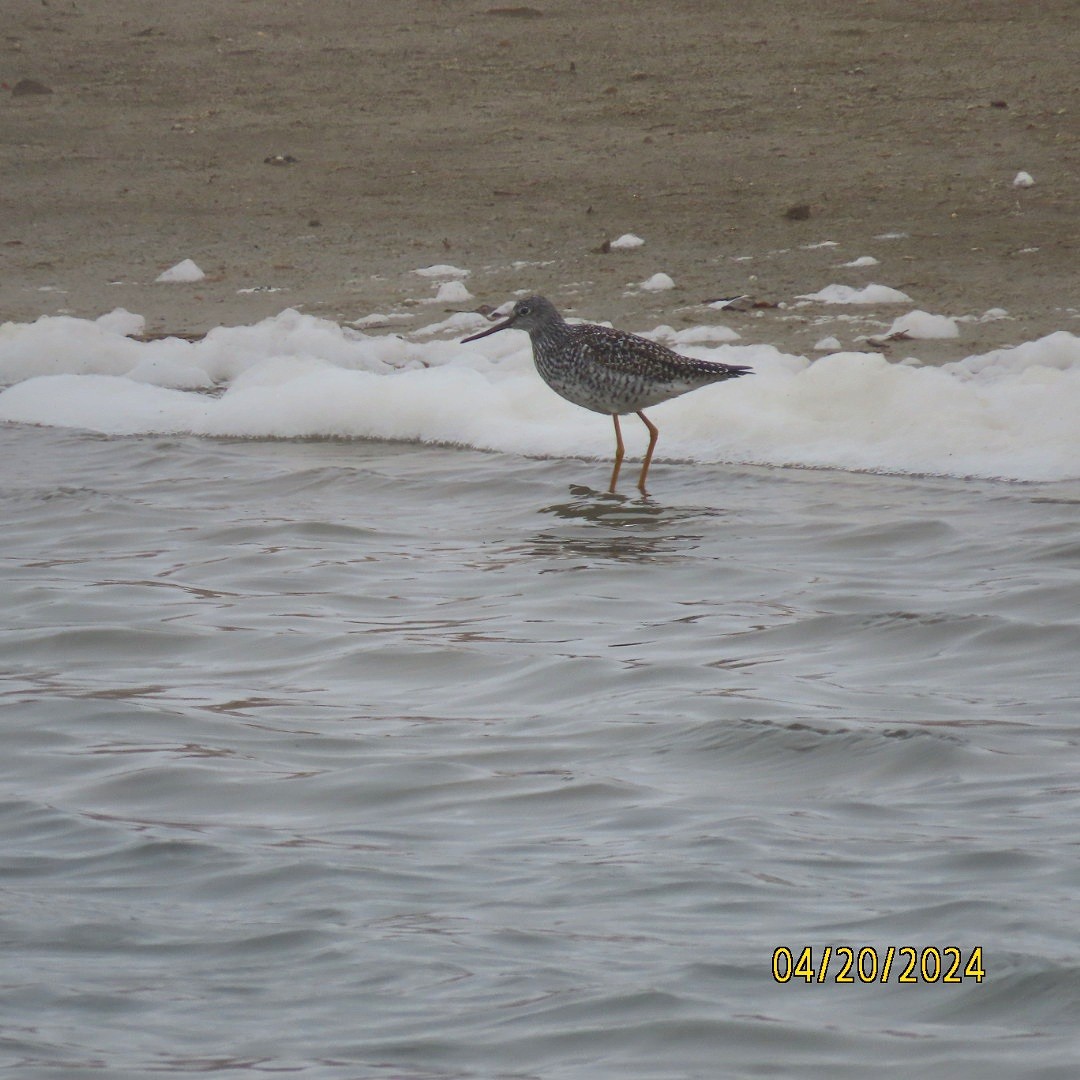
(346, 759)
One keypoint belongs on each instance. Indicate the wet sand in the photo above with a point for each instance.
(733, 139)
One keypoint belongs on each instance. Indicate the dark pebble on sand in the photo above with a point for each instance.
(25, 87)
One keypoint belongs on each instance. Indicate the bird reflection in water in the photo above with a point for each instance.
(613, 526)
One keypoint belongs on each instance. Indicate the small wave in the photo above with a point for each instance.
(1009, 414)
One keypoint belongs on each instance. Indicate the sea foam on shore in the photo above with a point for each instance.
(1008, 414)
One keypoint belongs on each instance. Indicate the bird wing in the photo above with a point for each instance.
(622, 352)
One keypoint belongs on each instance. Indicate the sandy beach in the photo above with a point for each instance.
(313, 154)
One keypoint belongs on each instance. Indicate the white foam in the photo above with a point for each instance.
(452, 292)
(442, 270)
(862, 260)
(693, 335)
(626, 242)
(1023, 179)
(921, 324)
(1009, 413)
(869, 294)
(461, 323)
(377, 319)
(657, 283)
(990, 315)
(182, 272)
(122, 321)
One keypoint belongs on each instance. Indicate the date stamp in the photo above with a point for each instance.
(904, 964)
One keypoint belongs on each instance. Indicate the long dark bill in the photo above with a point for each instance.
(505, 325)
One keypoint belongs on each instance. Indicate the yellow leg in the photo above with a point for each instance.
(654, 434)
(619, 449)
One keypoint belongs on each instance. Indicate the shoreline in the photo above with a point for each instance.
(463, 133)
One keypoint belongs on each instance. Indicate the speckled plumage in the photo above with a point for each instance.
(608, 371)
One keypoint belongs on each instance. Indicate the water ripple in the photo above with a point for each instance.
(355, 760)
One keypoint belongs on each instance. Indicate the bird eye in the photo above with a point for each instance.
(524, 309)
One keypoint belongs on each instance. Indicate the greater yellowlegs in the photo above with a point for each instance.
(608, 371)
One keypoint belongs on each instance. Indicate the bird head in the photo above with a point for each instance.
(528, 315)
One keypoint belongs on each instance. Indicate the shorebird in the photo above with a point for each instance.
(608, 371)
